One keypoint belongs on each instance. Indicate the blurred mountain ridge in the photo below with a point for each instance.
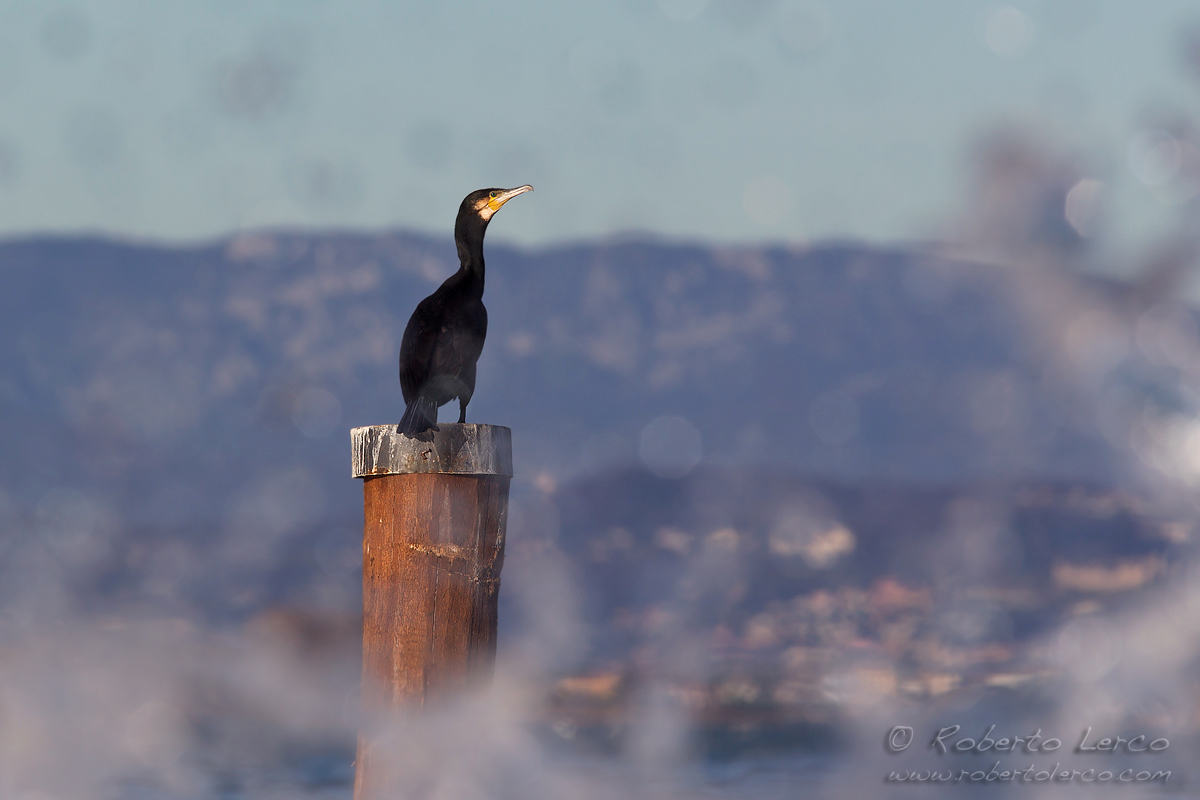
(264, 349)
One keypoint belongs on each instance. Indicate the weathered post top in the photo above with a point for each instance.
(453, 449)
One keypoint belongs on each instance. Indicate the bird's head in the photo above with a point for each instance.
(485, 202)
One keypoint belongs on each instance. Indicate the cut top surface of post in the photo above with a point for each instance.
(456, 449)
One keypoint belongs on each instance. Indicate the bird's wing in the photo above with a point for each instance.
(417, 347)
(460, 341)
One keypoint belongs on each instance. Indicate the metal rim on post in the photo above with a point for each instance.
(454, 449)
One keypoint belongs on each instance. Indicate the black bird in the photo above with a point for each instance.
(444, 336)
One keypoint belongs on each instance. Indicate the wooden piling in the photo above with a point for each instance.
(434, 515)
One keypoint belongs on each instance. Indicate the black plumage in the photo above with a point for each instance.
(444, 336)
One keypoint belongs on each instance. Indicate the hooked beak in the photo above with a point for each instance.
(503, 197)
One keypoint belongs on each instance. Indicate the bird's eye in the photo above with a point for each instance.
(493, 195)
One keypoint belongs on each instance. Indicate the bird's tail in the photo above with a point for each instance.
(419, 416)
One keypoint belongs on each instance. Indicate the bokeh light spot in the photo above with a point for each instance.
(670, 446)
(1082, 206)
(1009, 32)
(1154, 157)
(1166, 334)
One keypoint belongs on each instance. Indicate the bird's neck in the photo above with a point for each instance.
(469, 239)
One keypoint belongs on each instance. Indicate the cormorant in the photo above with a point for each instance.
(444, 336)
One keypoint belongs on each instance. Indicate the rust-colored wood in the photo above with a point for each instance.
(433, 547)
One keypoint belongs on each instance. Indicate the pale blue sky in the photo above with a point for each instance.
(725, 120)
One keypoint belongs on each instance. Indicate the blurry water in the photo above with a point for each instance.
(329, 775)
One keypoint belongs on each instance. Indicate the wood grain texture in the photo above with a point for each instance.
(433, 548)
